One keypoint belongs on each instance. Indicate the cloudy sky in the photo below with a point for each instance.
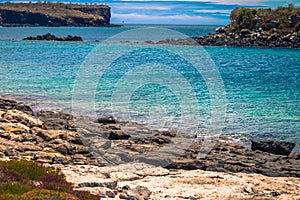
(194, 12)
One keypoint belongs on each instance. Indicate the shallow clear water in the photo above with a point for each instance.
(262, 85)
(93, 33)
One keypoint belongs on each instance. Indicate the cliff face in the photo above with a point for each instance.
(53, 14)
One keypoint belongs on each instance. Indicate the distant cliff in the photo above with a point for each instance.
(278, 27)
(53, 14)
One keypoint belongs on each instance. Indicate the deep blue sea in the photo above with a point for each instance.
(256, 91)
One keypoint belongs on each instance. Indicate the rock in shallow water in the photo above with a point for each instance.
(106, 120)
(275, 147)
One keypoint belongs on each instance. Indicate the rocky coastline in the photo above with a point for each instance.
(53, 139)
(250, 38)
(278, 27)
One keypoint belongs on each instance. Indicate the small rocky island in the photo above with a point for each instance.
(50, 37)
(54, 14)
(258, 28)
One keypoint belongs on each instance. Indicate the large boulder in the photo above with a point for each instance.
(274, 147)
(118, 135)
(106, 120)
(23, 118)
(54, 120)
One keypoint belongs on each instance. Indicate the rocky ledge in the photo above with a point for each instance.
(112, 158)
(258, 28)
(141, 181)
(51, 37)
(46, 137)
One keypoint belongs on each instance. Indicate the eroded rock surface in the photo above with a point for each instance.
(150, 164)
(142, 181)
(47, 137)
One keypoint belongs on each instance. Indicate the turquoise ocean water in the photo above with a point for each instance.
(262, 85)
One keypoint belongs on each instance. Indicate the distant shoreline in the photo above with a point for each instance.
(54, 14)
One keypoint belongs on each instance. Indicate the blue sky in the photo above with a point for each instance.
(194, 12)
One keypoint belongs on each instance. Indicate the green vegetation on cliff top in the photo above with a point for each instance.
(59, 10)
(53, 14)
(283, 19)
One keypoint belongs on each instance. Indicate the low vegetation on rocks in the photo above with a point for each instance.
(278, 27)
(22, 180)
(284, 19)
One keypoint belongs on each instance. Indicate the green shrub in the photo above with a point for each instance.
(28, 169)
(11, 197)
(16, 177)
(246, 18)
(52, 182)
(42, 194)
(14, 188)
(9, 176)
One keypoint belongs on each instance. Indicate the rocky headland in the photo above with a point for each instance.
(258, 28)
(267, 171)
(53, 14)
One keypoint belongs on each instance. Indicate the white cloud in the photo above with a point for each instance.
(213, 11)
(136, 7)
(227, 2)
(183, 12)
(233, 2)
(172, 19)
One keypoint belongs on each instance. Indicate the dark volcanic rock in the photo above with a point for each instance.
(118, 135)
(106, 120)
(6, 104)
(235, 158)
(275, 147)
(54, 120)
(258, 28)
(51, 37)
(253, 38)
